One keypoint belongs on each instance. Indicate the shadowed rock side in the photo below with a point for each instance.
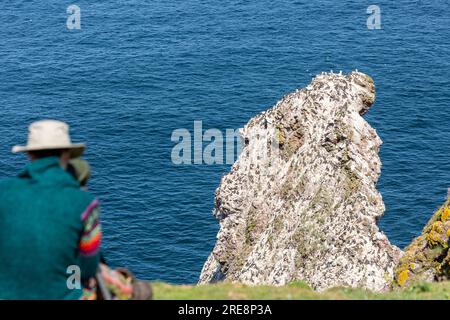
(427, 258)
(300, 202)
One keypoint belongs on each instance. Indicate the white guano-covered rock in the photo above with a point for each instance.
(300, 203)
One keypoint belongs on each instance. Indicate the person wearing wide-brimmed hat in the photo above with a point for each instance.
(49, 229)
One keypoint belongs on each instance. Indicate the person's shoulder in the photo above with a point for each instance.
(8, 183)
(10, 188)
(87, 197)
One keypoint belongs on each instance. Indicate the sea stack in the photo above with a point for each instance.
(300, 202)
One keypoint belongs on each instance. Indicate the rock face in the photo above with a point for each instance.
(300, 202)
(427, 258)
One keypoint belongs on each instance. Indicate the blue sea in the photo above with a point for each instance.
(138, 70)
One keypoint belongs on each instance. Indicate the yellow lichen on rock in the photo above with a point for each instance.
(403, 277)
(445, 214)
(427, 257)
(436, 234)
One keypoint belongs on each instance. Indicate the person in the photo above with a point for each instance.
(50, 229)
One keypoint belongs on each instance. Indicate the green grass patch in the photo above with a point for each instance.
(294, 291)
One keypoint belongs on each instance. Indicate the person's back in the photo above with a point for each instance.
(47, 225)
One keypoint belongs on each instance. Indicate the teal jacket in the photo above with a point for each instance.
(41, 226)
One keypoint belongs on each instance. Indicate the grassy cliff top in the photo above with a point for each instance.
(294, 291)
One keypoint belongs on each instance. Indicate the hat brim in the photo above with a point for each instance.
(76, 149)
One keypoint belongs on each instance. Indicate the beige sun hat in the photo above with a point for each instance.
(50, 135)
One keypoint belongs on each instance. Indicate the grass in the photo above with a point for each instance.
(294, 291)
